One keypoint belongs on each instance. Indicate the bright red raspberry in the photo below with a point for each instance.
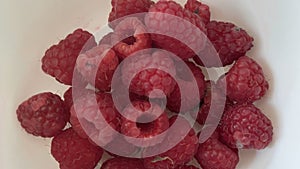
(181, 153)
(199, 8)
(144, 121)
(43, 115)
(74, 152)
(59, 60)
(123, 163)
(213, 154)
(130, 36)
(188, 97)
(245, 81)
(176, 29)
(94, 116)
(229, 41)
(187, 167)
(98, 66)
(122, 8)
(146, 72)
(245, 126)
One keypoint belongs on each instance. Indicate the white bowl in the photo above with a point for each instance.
(28, 28)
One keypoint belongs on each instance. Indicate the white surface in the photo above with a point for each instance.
(28, 28)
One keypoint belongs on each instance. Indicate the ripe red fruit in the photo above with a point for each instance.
(59, 60)
(74, 152)
(43, 115)
(200, 9)
(245, 126)
(187, 167)
(122, 163)
(245, 81)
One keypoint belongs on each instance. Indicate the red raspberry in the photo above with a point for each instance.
(182, 153)
(127, 7)
(175, 29)
(187, 167)
(74, 152)
(59, 60)
(123, 163)
(187, 96)
(213, 154)
(106, 39)
(43, 115)
(86, 118)
(245, 81)
(119, 147)
(130, 36)
(144, 121)
(245, 126)
(98, 66)
(152, 72)
(200, 9)
(229, 41)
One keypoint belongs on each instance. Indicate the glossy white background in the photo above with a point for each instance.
(29, 27)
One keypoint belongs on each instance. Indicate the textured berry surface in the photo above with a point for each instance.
(229, 41)
(144, 121)
(59, 60)
(74, 152)
(181, 153)
(147, 72)
(43, 115)
(122, 8)
(189, 85)
(130, 36)
(176, 29)
(98, 65)
(187, 167)
(213, 154)
(87, 115)
(199, 8)
(245, 81)
(245, 126)
(123, 163)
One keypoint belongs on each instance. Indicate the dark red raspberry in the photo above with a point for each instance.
(127, 7)
(182, 153)
(245, 126)
(98, 66)
(229, 41)
(130, 36)
(213, 154)
(122, 163)
(43, 115)
(59, 61)
(176, 29)
(119, 147)
(86, 118)
(146, 72)
(106, 39)
(199, 8)
(245, 81)
(188, 97)
(187, 167)
(144, 121)
(74, 152)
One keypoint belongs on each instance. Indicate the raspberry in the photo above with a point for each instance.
(133, 29)
(127, 7)
(152, 72)
(230, 42)
(124, 148)
(86, 119)
(182, 153)
(43, 115)
(199, 8)
(106, 39)
(74, 152)
(213, 154)
(245, 81)
(122, 163)
(186, 167)
(144, 121)
(98, 66)
(245, 126)
(187, 96)
(59, 60)
(175, 29)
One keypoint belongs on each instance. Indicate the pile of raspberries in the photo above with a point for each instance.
(89, 67)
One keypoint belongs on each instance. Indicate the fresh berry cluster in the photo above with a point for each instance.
(141, 89)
